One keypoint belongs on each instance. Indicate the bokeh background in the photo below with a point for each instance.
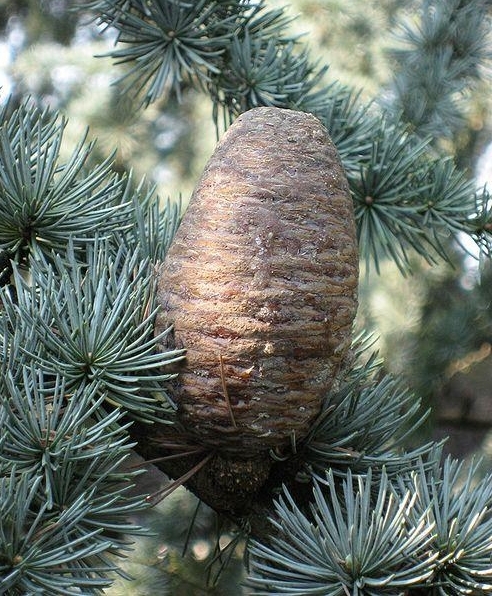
(433, 328)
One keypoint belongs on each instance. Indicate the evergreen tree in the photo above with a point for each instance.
(89, 370)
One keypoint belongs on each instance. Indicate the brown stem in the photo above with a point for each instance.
(170, 488)
(226, 393)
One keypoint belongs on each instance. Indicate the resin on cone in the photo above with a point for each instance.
(260, 284)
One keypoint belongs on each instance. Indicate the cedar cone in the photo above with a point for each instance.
(260, 284)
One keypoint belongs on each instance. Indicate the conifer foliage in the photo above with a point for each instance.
(347, 508)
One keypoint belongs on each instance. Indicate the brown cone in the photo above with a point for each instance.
(260, 284)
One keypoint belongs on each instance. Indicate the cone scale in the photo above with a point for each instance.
(260, 284)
